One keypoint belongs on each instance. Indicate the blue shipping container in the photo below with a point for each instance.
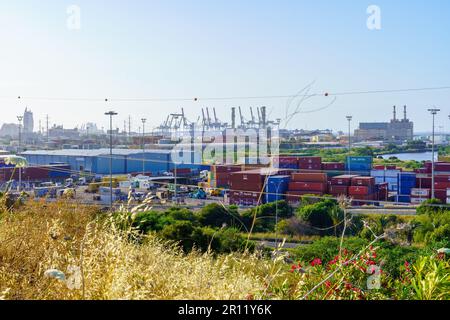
(406, 182)
(359, 164)
(276, 188)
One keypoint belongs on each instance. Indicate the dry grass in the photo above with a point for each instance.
(41, 236)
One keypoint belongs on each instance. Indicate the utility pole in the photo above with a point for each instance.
(143, 145)
(433, 111)
(110, 114)
(47, 129)
(349, 119)
(20, 118)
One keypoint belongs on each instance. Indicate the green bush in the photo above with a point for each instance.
(319, 215)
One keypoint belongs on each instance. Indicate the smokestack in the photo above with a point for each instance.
(395, 113)
(233, 118)
(404, 113)
(263, 116)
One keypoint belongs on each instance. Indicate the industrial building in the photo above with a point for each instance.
(124, 161)
(395, 130)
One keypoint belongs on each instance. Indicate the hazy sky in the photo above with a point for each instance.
(223, 48)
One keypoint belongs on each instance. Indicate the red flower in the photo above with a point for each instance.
(316, 262)
(328, 284)
(295, 267)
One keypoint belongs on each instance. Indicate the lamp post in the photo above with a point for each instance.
(433, 111)
(110, 114)
(349, 119)
(143, 145)
(20, 118)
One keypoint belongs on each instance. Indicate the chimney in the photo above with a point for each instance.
(233, 118)
(395, 113)
(404, 112)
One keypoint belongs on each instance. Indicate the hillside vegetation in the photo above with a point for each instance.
(68, 251)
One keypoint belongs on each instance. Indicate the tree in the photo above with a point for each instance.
(318, 214)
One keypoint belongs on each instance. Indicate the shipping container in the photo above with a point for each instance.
(313, 166)
(406, 182)
(403, 198)
(309, 177)
(294, 197)
(423, 182)
(308, 186)
(418, 201)
(360, 190)
(441, 185)
(310, 160)
(441, 195)
(363, 181)
(344, 180)
(331, 166)
(420, 193)
(442, 178)
(276, 188)
(356, 164)
(336, 190)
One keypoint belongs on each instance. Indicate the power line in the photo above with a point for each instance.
(196, 99)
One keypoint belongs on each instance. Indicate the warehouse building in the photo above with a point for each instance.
(395, 130)
(124, 161)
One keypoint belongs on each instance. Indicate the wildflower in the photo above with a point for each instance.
(348, 286)
(296, 268)
(316, 262)
(408, 266)
(328, 284)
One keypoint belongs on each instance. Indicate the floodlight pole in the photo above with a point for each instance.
(349, 119)
(143, 145)
(110, 114)
(433, 112)
(20, 118)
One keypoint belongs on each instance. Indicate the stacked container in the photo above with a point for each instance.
(333, 166)
(219, 176)
(306, 184)
(276, 188)
(285, 162)
(418, 196)
(310, 163)
(363, 188)
(406, 182)
(391, 177)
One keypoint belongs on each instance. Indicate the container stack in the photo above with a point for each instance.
(441, 184)
(406, 182)
(306, 184)
(418, 196)
(339, 185)
(363, 188)
(276, 188)
(310, 163)
(219, 176)
(285, 162)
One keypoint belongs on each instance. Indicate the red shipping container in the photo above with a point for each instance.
(285, 160)
(423, 182)
(391, 167)
(308, 186)
(442, 178)
(315, 166)
(359, 190)
(333, 166)
(441, 185)
(363, 181)
(378, 167)
(444, 167)
(310, 160)
(309, 177)
(338, 190)
(441, 195)
(345, 180)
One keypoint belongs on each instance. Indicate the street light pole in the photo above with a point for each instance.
(20, 118)
(110, 114)
(143, 145)
(349, 119)
(433, 112)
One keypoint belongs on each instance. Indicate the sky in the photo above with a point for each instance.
(179, 49)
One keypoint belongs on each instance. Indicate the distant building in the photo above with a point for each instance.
(395, 130)
(60, 133)
(9, 129)
(28, 122)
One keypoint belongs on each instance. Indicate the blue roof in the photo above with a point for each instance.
(91, 153)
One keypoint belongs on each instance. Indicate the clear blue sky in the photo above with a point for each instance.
(160, 49)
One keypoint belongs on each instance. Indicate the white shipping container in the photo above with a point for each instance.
(418, 200)
(420, 192)
(377, 173)
(391, 173)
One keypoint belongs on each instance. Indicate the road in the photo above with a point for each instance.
(384, 211)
